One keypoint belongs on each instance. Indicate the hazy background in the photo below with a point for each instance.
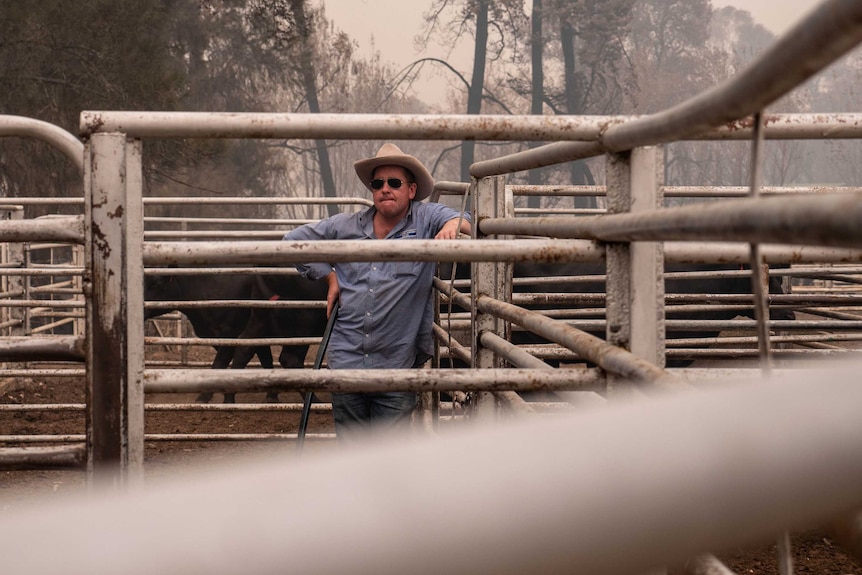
(599, 57)
(390, 25)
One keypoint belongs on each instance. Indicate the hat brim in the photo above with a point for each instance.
(424, 180)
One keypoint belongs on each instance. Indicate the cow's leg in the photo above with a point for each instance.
(242, 356)
(221, 361)
(264, 354)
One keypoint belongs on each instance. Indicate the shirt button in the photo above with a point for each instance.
(368, 313)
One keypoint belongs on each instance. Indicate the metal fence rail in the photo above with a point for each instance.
(49, 133)
(573, 521)
(831, 220)
(689, 435)
(102, 127)
(827, 34)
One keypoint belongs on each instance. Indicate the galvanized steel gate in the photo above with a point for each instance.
(629, 238)
(635, 238)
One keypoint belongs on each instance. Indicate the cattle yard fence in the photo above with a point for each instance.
(635, 237)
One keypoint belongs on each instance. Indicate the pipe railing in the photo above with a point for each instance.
(740, 324)
(576, 521)
(198, 200)
(278, 253)
(830, 220)
(231, 341)
(829, 32)
(487, 127)
(256, 201)
(359, 380)
(703, 192)
(54, 457)
(607, 356)
(688, 119)
(60, 229)
(42, 348)
(245, 303)
(284, 252)
(11, 126)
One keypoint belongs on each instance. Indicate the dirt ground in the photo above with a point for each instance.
(160, 456)
(813, 551)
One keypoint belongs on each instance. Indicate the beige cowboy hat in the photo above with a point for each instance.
(391, 155)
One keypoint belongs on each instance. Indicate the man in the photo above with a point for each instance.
(385, 308)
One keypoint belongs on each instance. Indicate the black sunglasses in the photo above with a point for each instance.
(394, 183)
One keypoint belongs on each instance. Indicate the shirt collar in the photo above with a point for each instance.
(366, 220)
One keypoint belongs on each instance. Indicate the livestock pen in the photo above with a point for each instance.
(585, 520)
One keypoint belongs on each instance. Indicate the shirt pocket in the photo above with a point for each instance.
(351, 274)
(405, 269)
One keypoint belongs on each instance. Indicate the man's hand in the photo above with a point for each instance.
(450, 230)
(333, 292)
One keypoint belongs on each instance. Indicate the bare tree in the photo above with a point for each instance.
(287, 26)
(480, 17)
(477, 82)
(537, 99)
(591, 44)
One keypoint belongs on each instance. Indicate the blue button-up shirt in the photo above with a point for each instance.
(386, 310)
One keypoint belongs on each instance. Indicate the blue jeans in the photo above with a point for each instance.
(367, 414)
(359, 415)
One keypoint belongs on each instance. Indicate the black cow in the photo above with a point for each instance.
(284, 322)
(242, 322)
(739, 284)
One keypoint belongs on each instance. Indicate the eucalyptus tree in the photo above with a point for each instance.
(59, 58)
(672, 60)
(315, 66)
(836, 90)
(537, 83)
(584, 40)
(224, 72)
(737, 41)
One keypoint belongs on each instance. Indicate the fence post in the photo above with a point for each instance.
(115, 316)
(635, 271)
(14, 256)
(493, 279)
(77, 284)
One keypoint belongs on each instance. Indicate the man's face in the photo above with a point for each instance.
(391, 202)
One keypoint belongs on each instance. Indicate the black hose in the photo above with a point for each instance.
(308, 397)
